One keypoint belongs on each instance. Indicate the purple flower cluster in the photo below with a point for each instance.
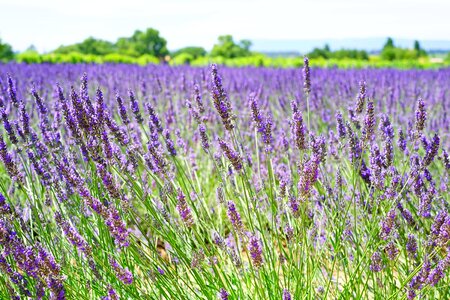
(33, 260)
(127, 168)
(220, 99)
(235, 217)
(234, 157)
(255, 250)
(184, 210)
(122, 274)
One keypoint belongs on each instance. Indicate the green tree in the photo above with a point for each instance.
(195, 52)
(89, 46)
(96, 47)
(389, 44)
(143, 42)
(447, 58)
(245, 44)
(389, 52)
(417, 46)
(228, 48)
(182, 59)
(319, 53)
(418, 49)
(6, 52)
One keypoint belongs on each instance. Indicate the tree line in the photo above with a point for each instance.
(149, 46)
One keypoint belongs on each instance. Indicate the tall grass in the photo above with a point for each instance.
(203, 183)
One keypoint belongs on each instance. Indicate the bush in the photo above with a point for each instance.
(147, 59)
(29, 57)
(117, 58)
(182, 59)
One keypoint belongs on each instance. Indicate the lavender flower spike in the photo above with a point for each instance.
(122, 274)
(306, 76)
(421, 116)
(220, 99)
(234, 157)
(234, 217)
(184, 210)
(255, 252)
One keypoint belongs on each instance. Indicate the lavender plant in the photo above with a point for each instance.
(158, 182)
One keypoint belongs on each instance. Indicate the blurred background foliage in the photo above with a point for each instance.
(148, 47)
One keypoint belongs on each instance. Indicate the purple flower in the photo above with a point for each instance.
(72, 235)
(406, 214)
(340, 126)
(203, 137)
(286, 295)
(39, 102)
(391, 251)
(184, 210)
(377, 262)
(411, 245)
(436, 275)
(223, 294)
(220, 99)
(235, 217)
(134, 104)
(369, 121)
(255, 252)
(14, 276)
(431, 151)
(198, 98)
(193, 112)
(411, 294)
(388, 224)
(57, 291)
(122, 109)
(112, 294)
(100, 108)
(289, 233)
(401, 140)
(122, 274)
(154, 117)
(298, 130)
(354, 146)
(386, 128)
(157, 163)
(79, 111)
(234, 157)
(421, 116)
(117, 228)
(306, 76)
(439, 220)
(169, 143)
(388, 153)
(12, 92)
(107, 149)
(9, 163)
(361, 98)
(40, 167)
(84, 94)
(444, 231)
(446, 159)
(5, 209)
(7, 125)
(293, 205)
(426, 199)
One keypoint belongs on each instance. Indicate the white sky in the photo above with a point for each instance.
(50, 23)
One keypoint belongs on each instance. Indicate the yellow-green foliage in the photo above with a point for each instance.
(254, 60)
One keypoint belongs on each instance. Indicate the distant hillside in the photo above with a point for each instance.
(368, 44)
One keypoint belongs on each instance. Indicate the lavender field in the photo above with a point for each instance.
(159, 182)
